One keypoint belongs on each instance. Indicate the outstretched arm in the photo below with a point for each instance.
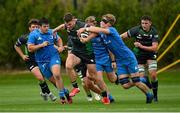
(124, 35)
(58, 28)
(93, 29)
(87, 39)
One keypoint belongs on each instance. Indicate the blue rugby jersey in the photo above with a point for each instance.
(100, 50)
(44, 54)
(116, 45)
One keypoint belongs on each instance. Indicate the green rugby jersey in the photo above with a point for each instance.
(145, 38)
(77, 45)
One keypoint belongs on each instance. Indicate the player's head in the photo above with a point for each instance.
(44, 25)
(108, 20)
(146, 22)
(91, 21)
(69, 21)
(33, 24)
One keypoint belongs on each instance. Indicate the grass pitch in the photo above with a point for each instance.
(20, 93)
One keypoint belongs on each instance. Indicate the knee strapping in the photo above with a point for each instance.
(152, 65)
(135, 79)
(123, 81)
(141, 68)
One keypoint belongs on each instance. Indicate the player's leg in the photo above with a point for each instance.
(71, 61)
(45, 91)
(89, 84)
(93, 75)
(123, 76)
(81, 72)
(152, 67)
(56, 72)
(110, 74)
(134, 74)
(143, 76)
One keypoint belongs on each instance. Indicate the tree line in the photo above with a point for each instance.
(15, 15)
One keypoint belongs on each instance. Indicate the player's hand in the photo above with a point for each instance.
(80, 31)
(136, 44)
(25, 57)
(114, 66)
(83, 40)
(60, 49)
(45, 43)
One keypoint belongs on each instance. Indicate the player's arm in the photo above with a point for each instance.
(153, 48)
(130, 33)
(21, 54)
(60, 46)
(58, 28)
(93, 30)
(17, 47)
(113, 59)
(87, 39)
(124, 35)
(33, 47)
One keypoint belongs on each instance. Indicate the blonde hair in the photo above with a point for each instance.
(91, 19)
(110, 18)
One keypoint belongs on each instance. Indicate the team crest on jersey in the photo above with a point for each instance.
(51, 37)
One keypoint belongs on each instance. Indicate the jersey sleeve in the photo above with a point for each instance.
(111, 30)
(56, 37)
(21, 41)
(133, 31)
(155, 35)
(31, 39)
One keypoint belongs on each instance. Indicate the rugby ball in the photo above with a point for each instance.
(84, 35)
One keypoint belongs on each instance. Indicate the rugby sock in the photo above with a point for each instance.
(111, 98)
(61, 94)
(148, 83)
(104, 94)
(74, 84)
(44, 87)
(117, 80)
(66, 92)
(155, 87)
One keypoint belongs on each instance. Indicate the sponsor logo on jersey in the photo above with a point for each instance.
(39, 38)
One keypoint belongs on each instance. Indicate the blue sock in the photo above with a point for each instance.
(111, 98)
(61, 94)
(66, 91)
(142, 79)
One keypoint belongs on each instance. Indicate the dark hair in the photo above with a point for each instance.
(68, 17)
(33, 21)
(43, 21)
(146, 17)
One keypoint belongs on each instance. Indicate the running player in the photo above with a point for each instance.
(41, 41)
(146, 45)
(29, 59)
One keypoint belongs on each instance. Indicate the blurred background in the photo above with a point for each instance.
(15, 14)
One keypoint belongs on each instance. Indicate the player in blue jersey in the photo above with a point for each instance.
(124, 57)
(146, 45)
(102, 57)
(31, 64)
(42, 42)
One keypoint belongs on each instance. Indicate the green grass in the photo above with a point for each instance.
(20, 92)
